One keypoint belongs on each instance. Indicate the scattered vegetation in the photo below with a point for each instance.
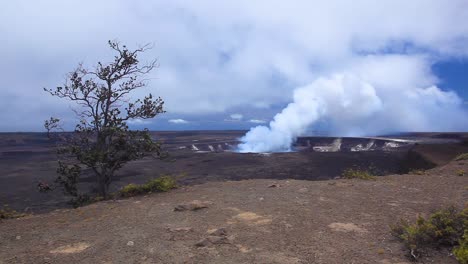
(356, 173)
(417, 172)
(461, 172)
(447, 228)
(7, 213)
(463, 156)
(161, 184)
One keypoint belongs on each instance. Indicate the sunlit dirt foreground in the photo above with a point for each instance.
(250, 221)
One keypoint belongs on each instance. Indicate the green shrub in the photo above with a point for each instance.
(131, 190)
(444, 228)
(461, 172)
(354, 173)
(463, 156)
(461, 251)
(7, 213)
(161, 184)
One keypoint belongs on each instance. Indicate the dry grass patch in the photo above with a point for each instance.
(7, 213)
(161, 184)
(417, 172)
(354, 173)
(463, 156)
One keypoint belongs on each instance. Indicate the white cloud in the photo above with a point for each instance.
(236, 116)
(257, 121)
(216, 55)
(138, 122)
(178, 121)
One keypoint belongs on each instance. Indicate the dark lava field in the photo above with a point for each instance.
(196, 157)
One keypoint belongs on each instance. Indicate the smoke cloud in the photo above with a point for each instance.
(378, 94)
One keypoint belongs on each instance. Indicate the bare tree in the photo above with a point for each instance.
(102, 141)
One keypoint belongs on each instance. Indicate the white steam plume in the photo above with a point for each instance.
(378, 94)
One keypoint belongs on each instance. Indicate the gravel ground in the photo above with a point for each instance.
(249, 221)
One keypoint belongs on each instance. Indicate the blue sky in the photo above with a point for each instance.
(454, 75)
(374, 66)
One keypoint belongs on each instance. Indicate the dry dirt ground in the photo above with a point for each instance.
(264, 221)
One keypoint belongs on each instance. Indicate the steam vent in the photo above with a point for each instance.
(315, 144)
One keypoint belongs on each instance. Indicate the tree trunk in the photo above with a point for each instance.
(103, 187)
(102, 177)
(101, 181)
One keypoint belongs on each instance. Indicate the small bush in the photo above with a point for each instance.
(445, 228)
(463, 156)
(461, 172)
(7, 213)
(353, 173)
(418, 172)
(131, 190)
(80, 200)
(461, 251)
(161, 184)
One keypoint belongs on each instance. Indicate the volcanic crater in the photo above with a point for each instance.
(197, 157)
